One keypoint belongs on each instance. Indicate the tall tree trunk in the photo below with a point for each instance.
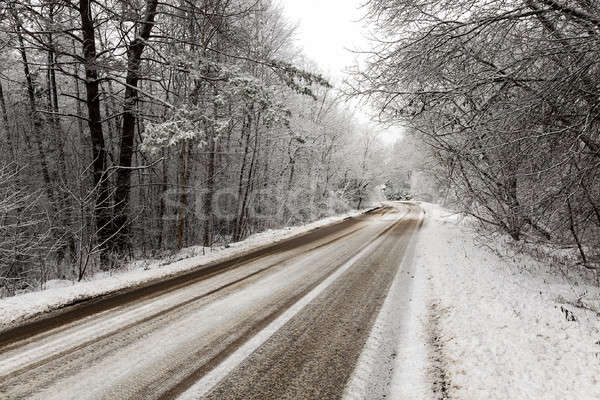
(53, 93)
(99, 156)
(134, 58)
(78, 108)
(243, 216)
(210, 182)
(209, 195)
(37, 123)
(110, 107)
(111, 128)
(285, 215)
(182, 211)
(237, 226)
(5, 123)
(162, 191)
(65, 212)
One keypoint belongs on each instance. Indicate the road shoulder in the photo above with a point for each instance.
(498, 324)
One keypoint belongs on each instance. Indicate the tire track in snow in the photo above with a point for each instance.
(375, 370)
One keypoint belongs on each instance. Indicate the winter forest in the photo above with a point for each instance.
(137, 128)
(131, 128)
(505, 96)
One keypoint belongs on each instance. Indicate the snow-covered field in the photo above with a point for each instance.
(503, 326)
(60, 293)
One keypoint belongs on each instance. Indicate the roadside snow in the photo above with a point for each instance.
(504, 327)
(56, 283)
(59, 293)
(412, 379)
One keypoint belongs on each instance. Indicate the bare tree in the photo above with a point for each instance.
(504, 94)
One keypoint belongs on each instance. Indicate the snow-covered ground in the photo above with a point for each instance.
(479, 322)
(58, 293)
(499, 325)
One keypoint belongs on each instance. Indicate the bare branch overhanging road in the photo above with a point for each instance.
(307, 304)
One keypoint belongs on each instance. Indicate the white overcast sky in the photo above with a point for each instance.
(326, 29)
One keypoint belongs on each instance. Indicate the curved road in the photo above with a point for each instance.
(287, 321)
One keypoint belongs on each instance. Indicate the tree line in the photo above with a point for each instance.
(130, 128)
(506, 95)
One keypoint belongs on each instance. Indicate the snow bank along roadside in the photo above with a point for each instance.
(17, 309)
(506, 327)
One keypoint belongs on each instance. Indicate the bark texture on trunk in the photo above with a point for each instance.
(134, 59)
(99, 155)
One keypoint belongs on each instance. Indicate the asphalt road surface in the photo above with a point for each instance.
(287, 321)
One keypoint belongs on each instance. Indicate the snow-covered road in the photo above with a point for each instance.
(290, 322)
